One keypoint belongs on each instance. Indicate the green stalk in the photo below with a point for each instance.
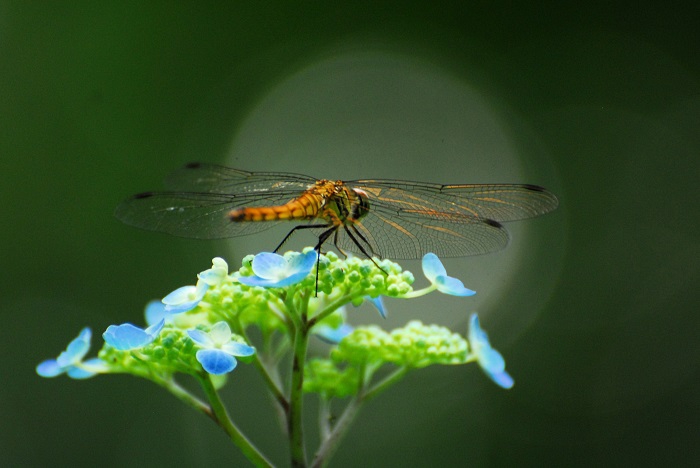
(296, 398)
(183, 395)
(330, 443)
(332, 440)
(221, 417)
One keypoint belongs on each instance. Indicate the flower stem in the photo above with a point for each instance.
(262, 368)
(329, 309)
(418, 292)
(385, 383)
(330, 443)
(183, 395)
(332, 440)
(296, 397)
(324, 417)
(221, 417)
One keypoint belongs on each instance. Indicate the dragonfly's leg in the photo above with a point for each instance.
(301, 226)
(321, 239)
(335, 242)
(362, 238)
(360, 246)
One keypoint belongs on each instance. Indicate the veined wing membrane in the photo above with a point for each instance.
(404, 219)
(201, 177)
(410, 235)
(497, 202)
(198, 215)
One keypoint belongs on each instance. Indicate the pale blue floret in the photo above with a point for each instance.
(488, 358)
(71, 362)
(379, 304)
(127, 336)
(187, 298)
(217, 350)
(217, 274)
(275, 271)
(437, 275)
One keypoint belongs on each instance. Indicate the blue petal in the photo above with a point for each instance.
(303, 263)
(127, 336)
(49, 368)
(502, 379)
(155, 312)
(257, 281)
(269, 265)
(295, 278)
(179, 300)
(154, 330)
(235, 348)
(272, 283)
(491, 360)
(179, 296)
(452, 286)
(183, 307)
(379, 304)
(215, 361)
(79, 374)
(201, 338)
(77, 349)
(477, 337)
(432, 267)
(333, 335)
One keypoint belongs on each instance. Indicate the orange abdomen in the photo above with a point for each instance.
(306, 206)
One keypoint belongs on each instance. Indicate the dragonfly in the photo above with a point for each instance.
(382, 218)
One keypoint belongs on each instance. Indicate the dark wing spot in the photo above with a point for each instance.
(534, 188)
(193, 165)
(139, 196)
(493, 223)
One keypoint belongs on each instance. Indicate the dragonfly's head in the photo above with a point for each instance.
(360, 206)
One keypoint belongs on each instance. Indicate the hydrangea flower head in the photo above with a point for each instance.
(71, 362)
(490, 360)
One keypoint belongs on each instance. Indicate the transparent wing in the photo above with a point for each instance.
(408, 219)
(199, 215)
(201, 177)
(497, 202)
(202, 196)
(412, 236)
(405, 219)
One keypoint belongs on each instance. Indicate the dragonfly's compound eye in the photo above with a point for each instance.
(361, 204)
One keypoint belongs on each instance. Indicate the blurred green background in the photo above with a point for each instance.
(595, 307)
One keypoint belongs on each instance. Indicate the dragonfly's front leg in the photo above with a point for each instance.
(360, 246)
(301, 226)
(335, 242)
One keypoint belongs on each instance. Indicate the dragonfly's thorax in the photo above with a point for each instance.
(332, 201)
(340, 204)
